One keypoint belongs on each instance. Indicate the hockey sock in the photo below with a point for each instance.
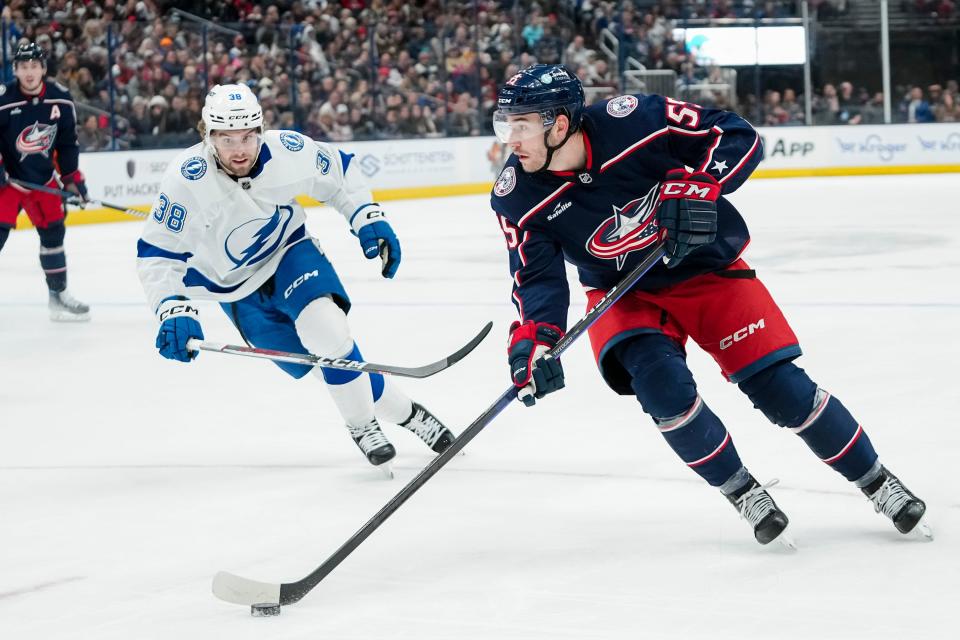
(351, 390)
(4, 232)
(665, 387)
(392, 405)
(322, 327)
(789, 398)
(836, 437)
(53, 260)
(701, 441)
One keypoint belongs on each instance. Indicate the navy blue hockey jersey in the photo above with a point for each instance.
(601, 218)
(38, 134)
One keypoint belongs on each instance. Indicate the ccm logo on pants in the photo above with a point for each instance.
(741, 334)
(299, 281)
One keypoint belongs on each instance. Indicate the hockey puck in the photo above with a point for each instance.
(264, 609)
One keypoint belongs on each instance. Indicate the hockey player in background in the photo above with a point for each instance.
(598, 186)
(38, 142)
(226, 227)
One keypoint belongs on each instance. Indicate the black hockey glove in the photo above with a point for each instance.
(687, 216)
(534, 374)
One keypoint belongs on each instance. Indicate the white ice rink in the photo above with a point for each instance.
(127, 481)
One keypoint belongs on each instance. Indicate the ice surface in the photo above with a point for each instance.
(127, 481)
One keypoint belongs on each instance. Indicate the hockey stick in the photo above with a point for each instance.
(239, 590)
(74, 199)
(340, 363)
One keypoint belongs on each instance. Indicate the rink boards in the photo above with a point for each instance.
(401, 169)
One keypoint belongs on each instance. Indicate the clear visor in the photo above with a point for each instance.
(517, 128)
(226, 142)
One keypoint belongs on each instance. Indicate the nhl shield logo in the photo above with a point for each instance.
(622, 106)
(506, 182)
(585, 178)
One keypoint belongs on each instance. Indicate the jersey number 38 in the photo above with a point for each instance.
(170, 214)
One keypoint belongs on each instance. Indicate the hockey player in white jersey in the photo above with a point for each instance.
(226, 227)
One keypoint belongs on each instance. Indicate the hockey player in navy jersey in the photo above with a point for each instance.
(38, 142)
(226, 227)
(598, 186)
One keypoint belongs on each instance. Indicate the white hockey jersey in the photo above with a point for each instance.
(212, 237)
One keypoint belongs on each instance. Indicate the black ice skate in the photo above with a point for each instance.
(374, 445)
(895, 501)
(65, 308)
(428, 428)
(758, 508)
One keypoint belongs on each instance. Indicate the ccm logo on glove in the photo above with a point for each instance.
(691, 190)
(178, 310)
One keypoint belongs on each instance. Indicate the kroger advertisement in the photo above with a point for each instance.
(915, 147)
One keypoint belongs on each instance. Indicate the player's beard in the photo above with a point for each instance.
(31, 90)
(242, 172)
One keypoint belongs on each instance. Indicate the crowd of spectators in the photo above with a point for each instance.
(843, 104)
(338, 71)
(356, 69)
(939, 10)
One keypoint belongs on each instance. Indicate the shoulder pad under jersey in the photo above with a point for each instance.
(57, 90)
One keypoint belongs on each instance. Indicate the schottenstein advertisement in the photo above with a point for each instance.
(436, 167)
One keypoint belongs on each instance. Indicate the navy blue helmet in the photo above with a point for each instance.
(547, 89)
(29, 51)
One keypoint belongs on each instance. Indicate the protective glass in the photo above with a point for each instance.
(517, 128)
(228, 142)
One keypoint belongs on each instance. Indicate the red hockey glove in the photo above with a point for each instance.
(533, 373)
(75, 182)
(687, 216)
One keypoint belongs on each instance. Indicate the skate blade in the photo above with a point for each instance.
(786, 540)
(386, 469)
(922, 531)
(69, 317)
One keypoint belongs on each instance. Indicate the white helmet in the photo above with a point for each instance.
(231, 106)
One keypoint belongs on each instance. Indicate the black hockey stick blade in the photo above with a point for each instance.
(240, 590)
(311, 360)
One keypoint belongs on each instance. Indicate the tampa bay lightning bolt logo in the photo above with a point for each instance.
(291, 140)
(632, 227)
(193, 168)
(257, 239)
(323, 163)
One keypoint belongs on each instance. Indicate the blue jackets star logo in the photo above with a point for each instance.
(632, 227)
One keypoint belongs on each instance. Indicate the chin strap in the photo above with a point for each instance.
(551, 150)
